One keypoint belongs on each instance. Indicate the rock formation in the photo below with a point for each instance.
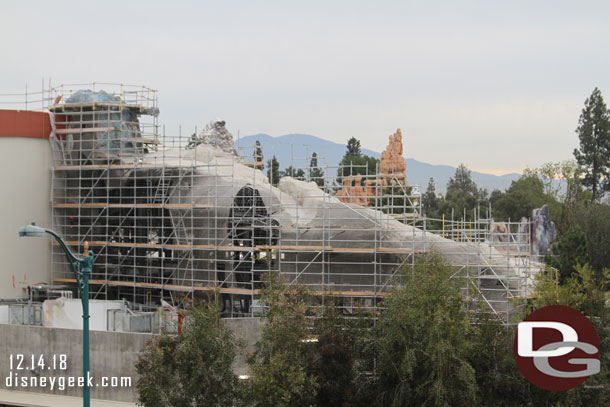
(392, 162)
(373, 188)
(215, 134)
(498, 233)
(392, 166)
(353, 191)
(542, 230)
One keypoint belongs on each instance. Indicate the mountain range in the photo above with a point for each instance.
(293, 149)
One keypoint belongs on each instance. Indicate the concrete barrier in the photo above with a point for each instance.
(113, 354)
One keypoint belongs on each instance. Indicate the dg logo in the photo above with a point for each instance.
(556, 348)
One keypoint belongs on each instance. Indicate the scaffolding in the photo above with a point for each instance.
(176, 223)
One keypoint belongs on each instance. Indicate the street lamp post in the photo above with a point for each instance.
(82, 279)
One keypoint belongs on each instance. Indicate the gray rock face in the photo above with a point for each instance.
(215, 134)
(543, 231)
(498, 233)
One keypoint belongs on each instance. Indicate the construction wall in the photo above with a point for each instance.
(67, 313)
(112, 354)
(25, 180)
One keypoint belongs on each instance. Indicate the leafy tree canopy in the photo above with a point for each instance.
(192, 368)
(594, 220)
(568, 252)
(523, 196)
(462, 196)
(422, 340)
(462, 181)
(589, 294)
(357, 165)
(279, 367)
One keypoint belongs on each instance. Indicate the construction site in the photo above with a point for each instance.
(172, 219)
(175, 220)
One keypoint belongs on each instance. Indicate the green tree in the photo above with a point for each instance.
(462, 181)
(460, 202)
(353, 147)
(499, 382)
(495, 196)
(357, 165)
(594, 220)
(307, 356)
(523, 196)
(192, 368)
(582, 291)
(429, 199)
(273, 171)
(594, 151)
(334, 360)
(354, 162)
(589, 294)
(290, 171)
(316, 174)
(568, 252)
(393, 198)
(280, 365)
(462, 195)
(258, 153)
(422, 340)
(432, 205)
(574, 195)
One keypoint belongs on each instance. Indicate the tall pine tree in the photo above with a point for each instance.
(273, 171)
(462, 181)
(353, 147)
(429, 199)
(594, 151)
(354, 162)
(315, 173)
(258, 153)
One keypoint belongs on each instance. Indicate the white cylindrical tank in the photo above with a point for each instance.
(25, 188)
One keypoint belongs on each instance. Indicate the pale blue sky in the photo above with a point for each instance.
(496, 85)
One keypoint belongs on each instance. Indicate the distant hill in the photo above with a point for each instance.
(294, 148)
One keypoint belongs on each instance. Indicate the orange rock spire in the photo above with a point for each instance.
(392, 162)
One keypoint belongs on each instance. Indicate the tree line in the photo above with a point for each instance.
(430, 345)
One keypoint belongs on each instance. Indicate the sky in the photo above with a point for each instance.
(496, 85)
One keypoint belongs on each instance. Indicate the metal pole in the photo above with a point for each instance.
(82, 279)
(88, 259)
